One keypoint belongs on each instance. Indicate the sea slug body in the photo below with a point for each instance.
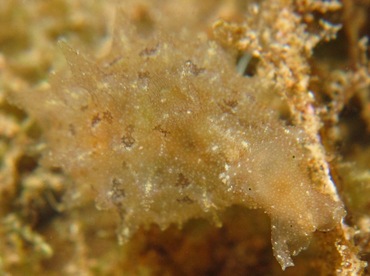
(165, 130)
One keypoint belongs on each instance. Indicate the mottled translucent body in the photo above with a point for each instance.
(165, 130)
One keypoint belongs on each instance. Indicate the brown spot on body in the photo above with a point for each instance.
(149, 51)
(182, 181)
(95, 120)
(185, 199)
(164, 132)
(192, 68)
(127, 139)
(107, 115)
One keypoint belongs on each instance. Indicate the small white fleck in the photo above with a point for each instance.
(148, 187)
(245, 144)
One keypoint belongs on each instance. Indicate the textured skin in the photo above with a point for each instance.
(165, 130)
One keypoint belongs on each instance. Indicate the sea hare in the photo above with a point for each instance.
(164, 129)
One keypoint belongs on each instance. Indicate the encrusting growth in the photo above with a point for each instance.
(164, 129)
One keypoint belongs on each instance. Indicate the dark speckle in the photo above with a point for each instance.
(192, 68)
(95, 120)
(107, 115)
(182, 181)
(72, 129)
(185, 199)
(127, 139)
(149, 51)
(164, 132)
